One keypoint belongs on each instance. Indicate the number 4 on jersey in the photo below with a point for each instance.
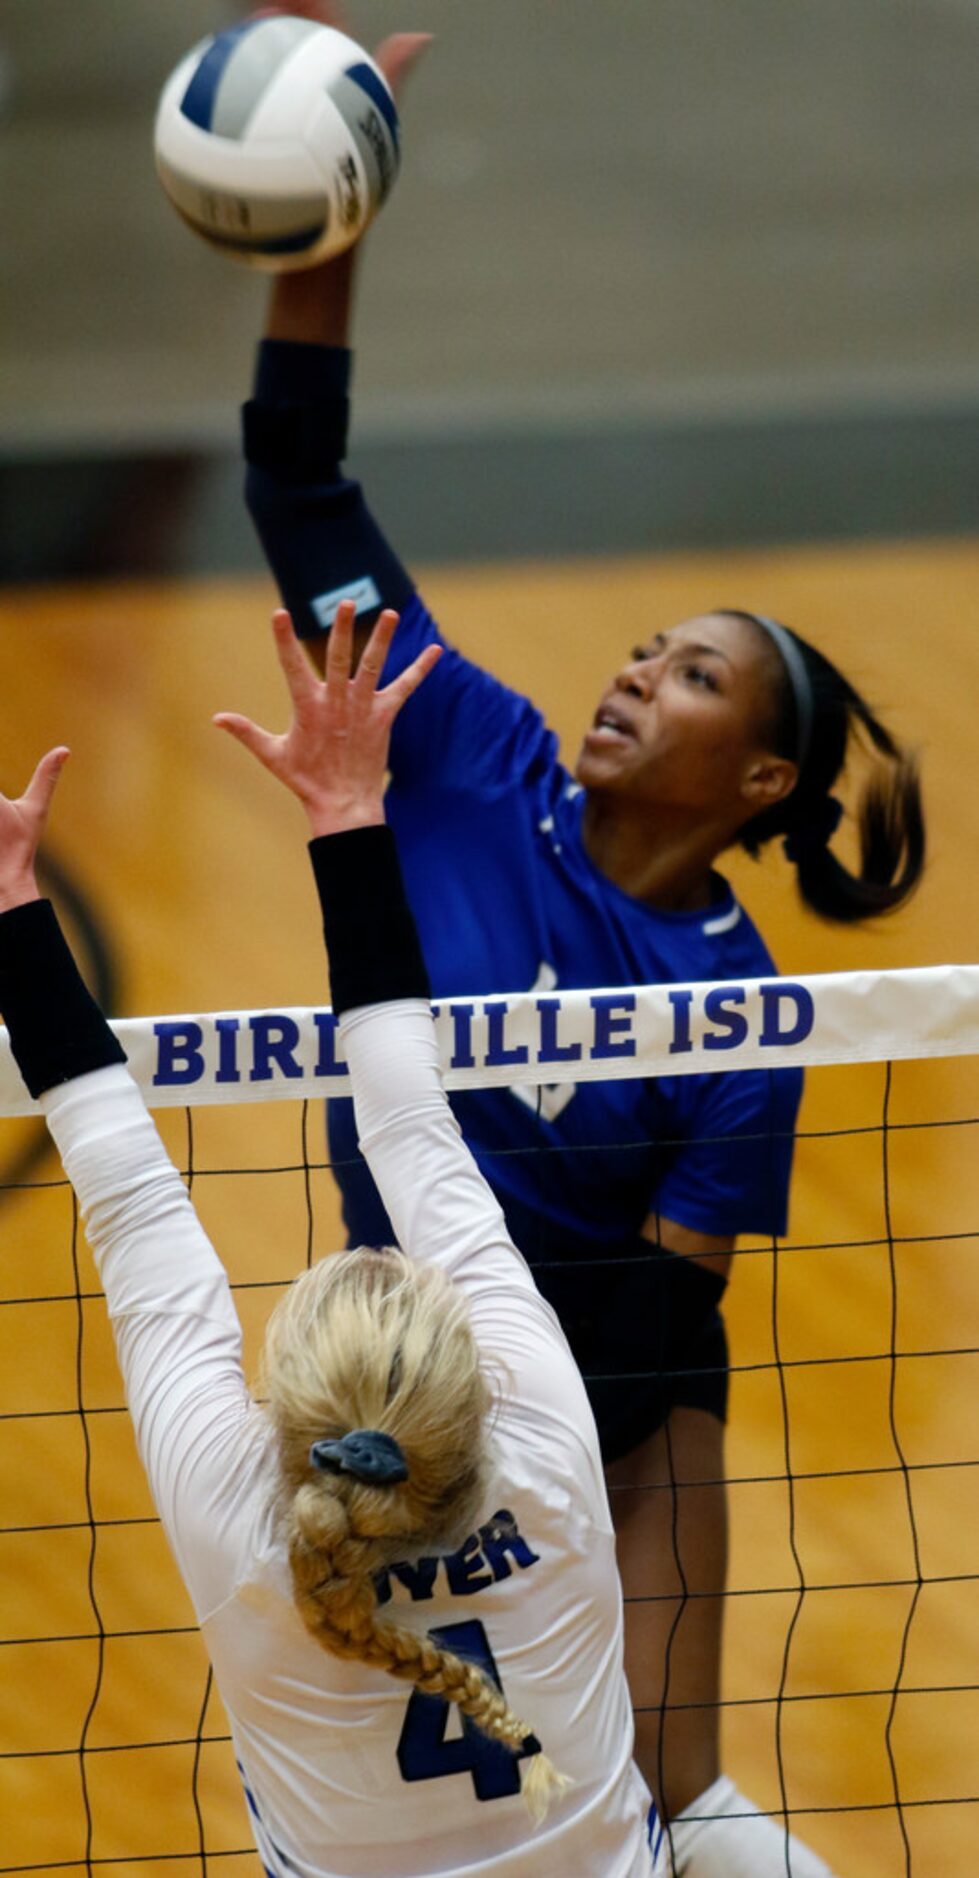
(423, 1751)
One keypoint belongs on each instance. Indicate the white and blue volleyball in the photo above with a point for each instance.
(277, 141)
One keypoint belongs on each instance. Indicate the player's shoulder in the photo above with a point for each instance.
(723, 938)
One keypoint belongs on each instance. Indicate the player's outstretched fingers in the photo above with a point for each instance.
(260, 742)
(375, 652)
(340, 645)
(36, 798)
(22, 826)
(400, 689)
(296, 669)
(397, 56)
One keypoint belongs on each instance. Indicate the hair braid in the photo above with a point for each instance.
(365, 1340)
(437, 1671)
(337, 1601)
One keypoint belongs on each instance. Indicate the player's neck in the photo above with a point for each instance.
(662, 859)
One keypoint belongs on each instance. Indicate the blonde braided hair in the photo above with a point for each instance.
(368, 1340)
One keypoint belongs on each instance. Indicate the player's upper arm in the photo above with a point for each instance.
(176, 1330)
(710, 1249)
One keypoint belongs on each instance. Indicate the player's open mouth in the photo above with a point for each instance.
(609, 726)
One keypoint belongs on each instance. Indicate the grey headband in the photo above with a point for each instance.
(799, 679)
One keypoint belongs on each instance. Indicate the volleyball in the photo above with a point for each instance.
(277, 141)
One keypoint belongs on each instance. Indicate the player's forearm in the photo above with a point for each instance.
(57, 1031)
(440, 1206)
(319, 536)
(437, 1200)
(371, 939)
(131, 1197)
(314, 306)
(176, 1332)
(152, 1253)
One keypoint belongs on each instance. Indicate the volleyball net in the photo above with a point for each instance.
(850, 1701)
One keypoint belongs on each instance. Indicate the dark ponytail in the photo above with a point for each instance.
(889, 814)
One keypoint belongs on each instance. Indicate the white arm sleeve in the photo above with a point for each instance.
(176, 1330)
(443, 1212)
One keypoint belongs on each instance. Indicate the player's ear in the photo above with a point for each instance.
(767, 779)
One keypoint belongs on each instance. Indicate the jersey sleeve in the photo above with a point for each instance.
(319, 537)
(444, 1214)
(732, 1174)
(176, 1330)
(462, 729)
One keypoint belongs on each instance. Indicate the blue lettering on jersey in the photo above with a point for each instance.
(483, 1560)
(419, 1579)
(423, 1751)
(466, 1569)
(500, 1536)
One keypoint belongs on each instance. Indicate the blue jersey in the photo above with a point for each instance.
(488, 825)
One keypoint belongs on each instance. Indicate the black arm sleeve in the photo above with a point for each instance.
(56, 1029)
(371, 939)
(319, 537)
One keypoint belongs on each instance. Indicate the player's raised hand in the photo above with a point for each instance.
(313, 305)
(334, 755)
(22, 823)
(395, 55)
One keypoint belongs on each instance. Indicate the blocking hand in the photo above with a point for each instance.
(22, 823)
(334, 755)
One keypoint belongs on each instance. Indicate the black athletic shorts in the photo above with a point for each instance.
(644, 1343)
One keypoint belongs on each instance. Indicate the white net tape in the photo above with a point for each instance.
(532, 1038)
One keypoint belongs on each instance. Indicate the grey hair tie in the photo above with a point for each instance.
(366, 1453)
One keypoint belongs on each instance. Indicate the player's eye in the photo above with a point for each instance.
(699, 675)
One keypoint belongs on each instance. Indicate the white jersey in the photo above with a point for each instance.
(348, 1773)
